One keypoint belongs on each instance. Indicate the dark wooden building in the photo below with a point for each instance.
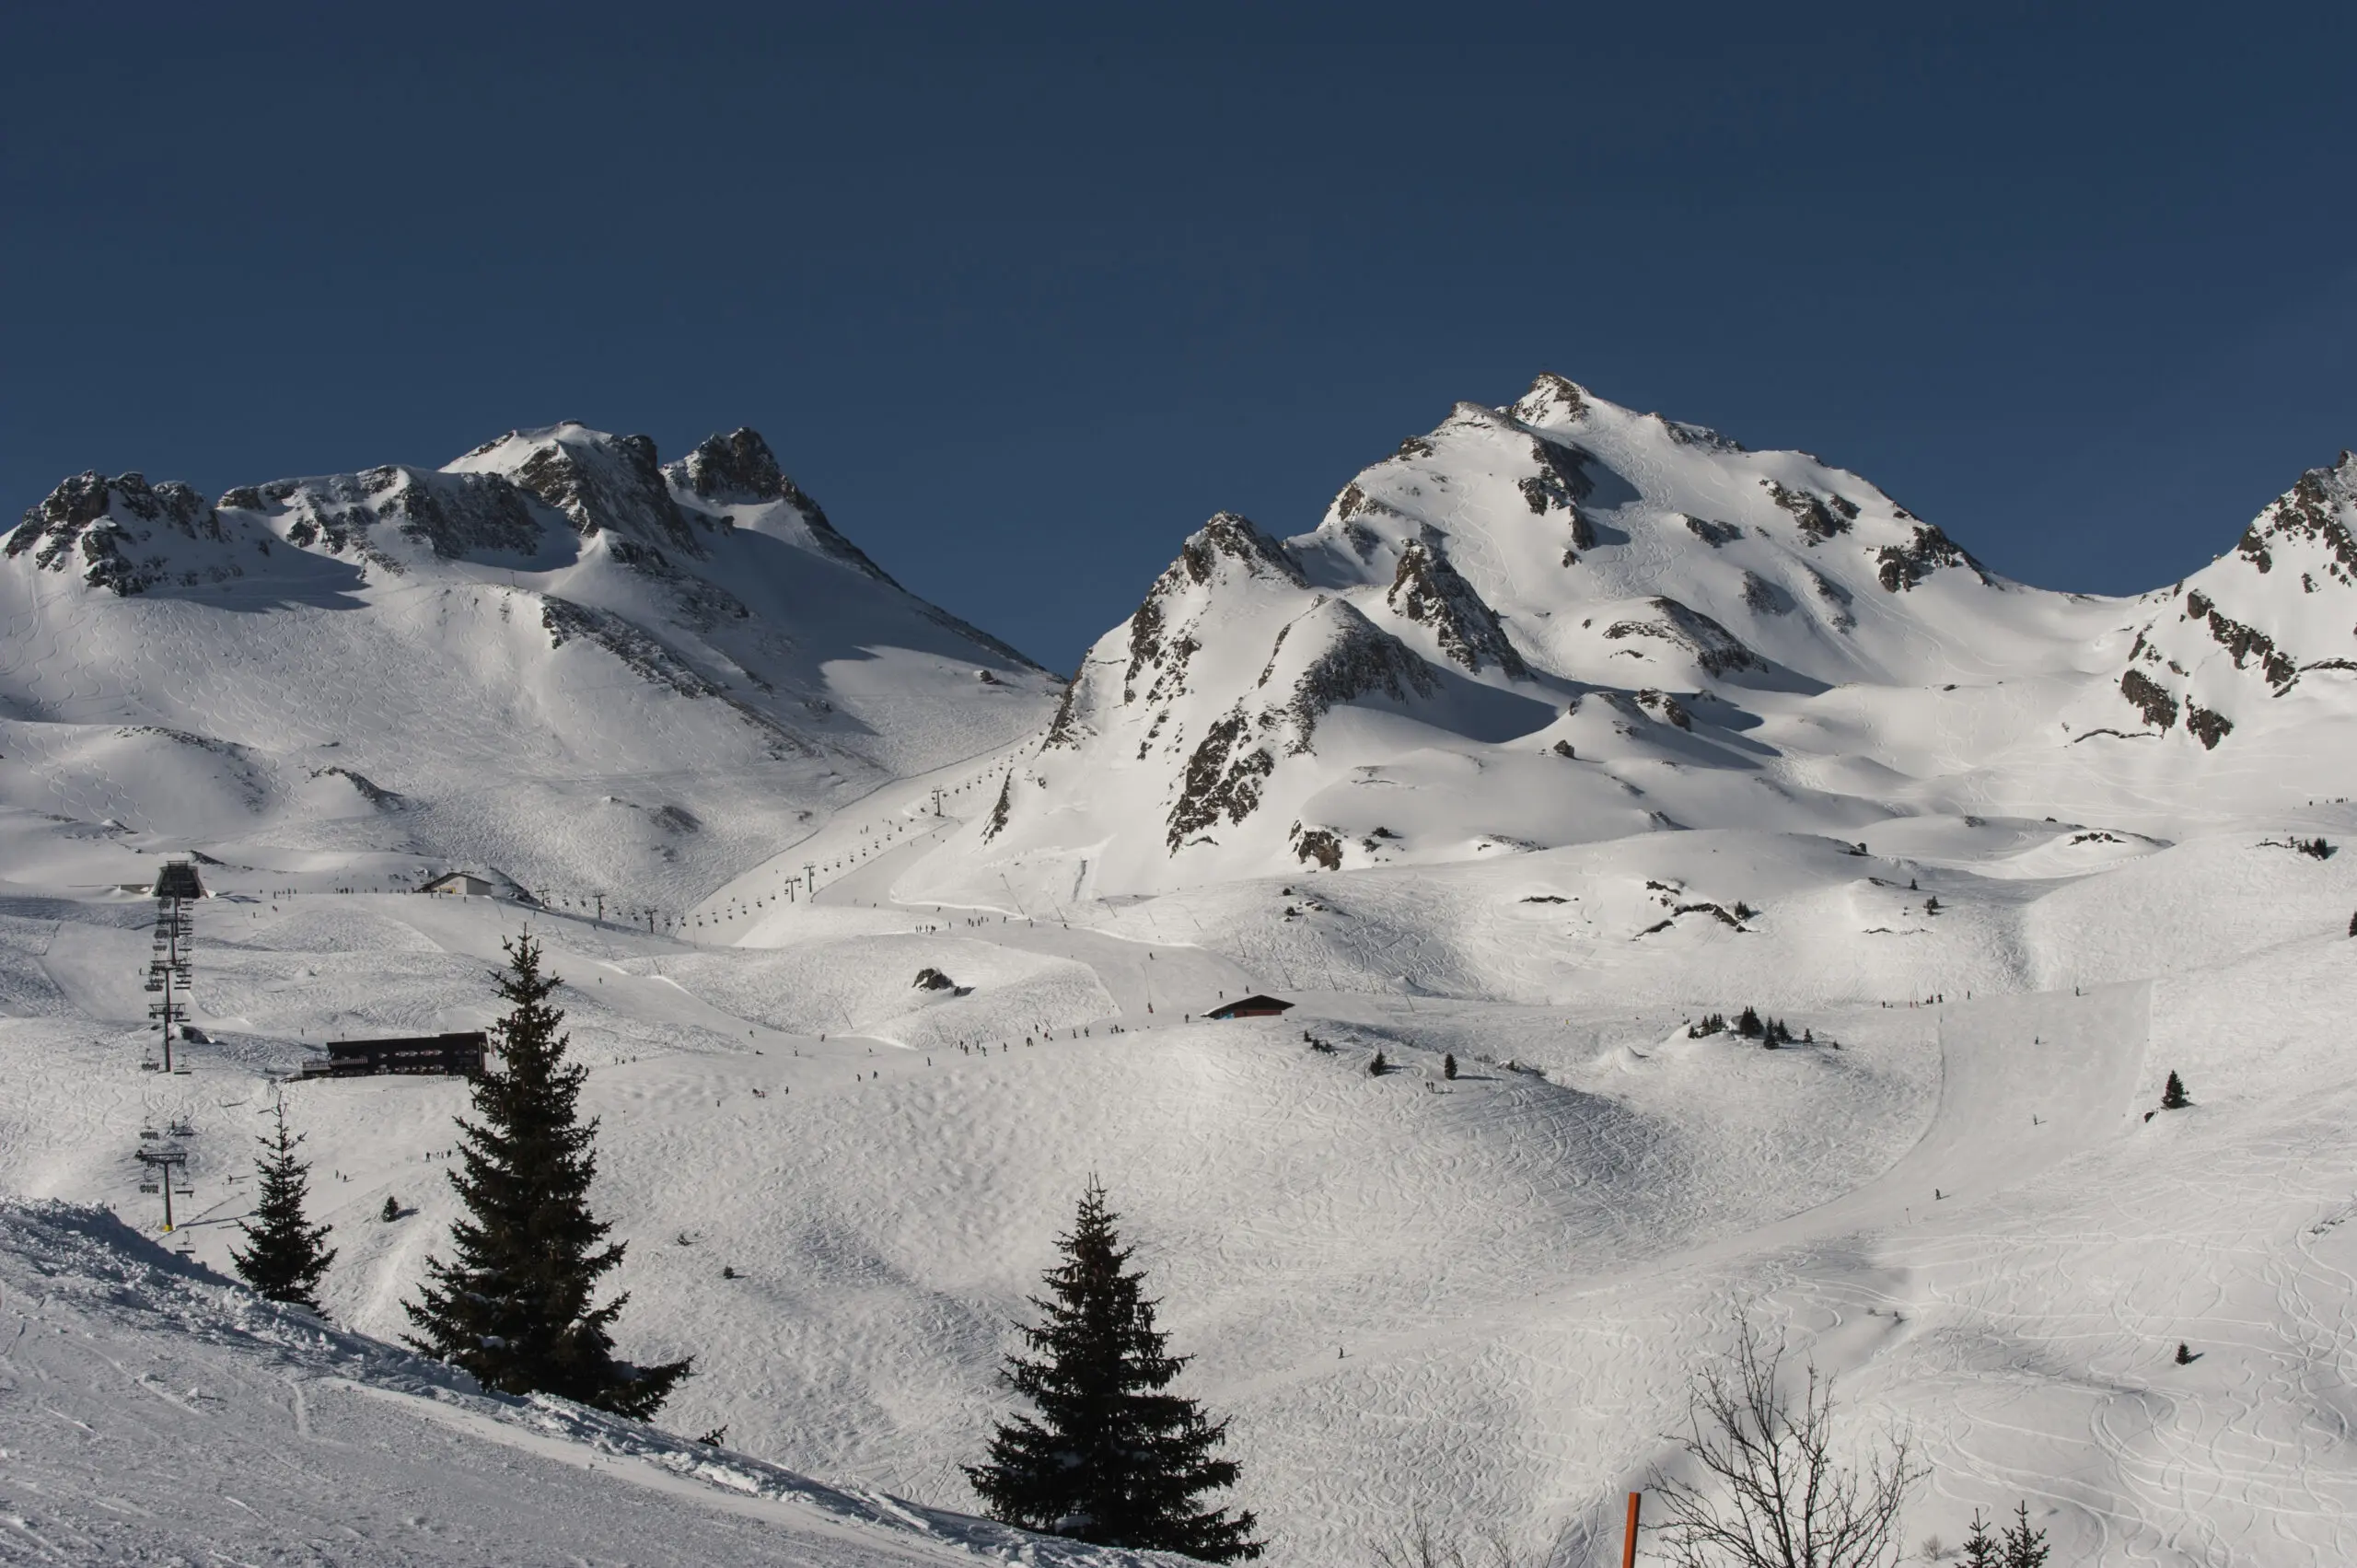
(452, 1054)
(1251, 1007)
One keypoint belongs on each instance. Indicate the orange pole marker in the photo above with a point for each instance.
(1629, 1543)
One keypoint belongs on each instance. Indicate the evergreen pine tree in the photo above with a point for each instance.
(392, 1210)
(1114, 1457)
(1448, 1066)
(515, 1307)
(1379, 1066)
(283, 1259)
(2025, 1548)
(2173, 1095)
(1981, 1549)
(1748, 1025)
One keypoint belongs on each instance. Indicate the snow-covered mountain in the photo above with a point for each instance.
(1562, 621)
(554, 657)
(1565, 731)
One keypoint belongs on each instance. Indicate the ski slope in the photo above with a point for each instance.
(1480, 1298)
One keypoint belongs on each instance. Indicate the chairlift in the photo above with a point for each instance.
(149, 1187)
(149, 1132)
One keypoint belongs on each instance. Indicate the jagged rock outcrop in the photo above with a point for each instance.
(1711, 645)
(1430, 592)
(120, 534)
(602, 483)
(1821, 517)
(1901, 566)
(454, 515)
(2251, 627)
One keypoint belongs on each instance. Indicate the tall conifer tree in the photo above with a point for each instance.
(1113, 1459)
(514, 1307)
(283, 1259)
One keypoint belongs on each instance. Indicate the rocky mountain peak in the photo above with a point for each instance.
(1551, 401)
(1231, 536)
(736, 467)
(603, 484)
(116, 532)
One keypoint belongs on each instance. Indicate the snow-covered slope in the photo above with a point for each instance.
(1592, 726)
(152, 1413)
(1562, 621)
(554, 657)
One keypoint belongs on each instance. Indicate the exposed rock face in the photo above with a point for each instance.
(565, 620)
(455, 516)
(736, 467)
(2153, 699)
(1429, 591)
(1223, 778)
(2241, 640)
(1552, 400)
(1229, 543)
(1318, 846)
(606, 484)
(1000, 810)
(1764, 597)
(2318, 511)
(1820, 516)
(1714, 648)
(2251, 625)
(1714, 534)
(1358, 658)
(1064, 729)
(116, 533)
(1901, 567)
(2210, 726)
(739, 469)
(1230, 535)
(1562, 480)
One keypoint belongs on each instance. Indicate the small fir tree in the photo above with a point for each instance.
(1114, 1457)
(392, 1209)
(1981, 1549)
(1379, 1066)
(1748, 1025)
(283, 1259)
(1448, 1066)
(2184, 1353)
(2173, 1095)
(2025, 1548)
(515, 1305)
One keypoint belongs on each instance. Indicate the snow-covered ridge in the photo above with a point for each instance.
(482, 641)
(1665, 617)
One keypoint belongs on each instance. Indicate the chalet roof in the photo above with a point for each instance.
(1247, 1005)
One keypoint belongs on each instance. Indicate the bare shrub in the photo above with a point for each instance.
(1774, 1493)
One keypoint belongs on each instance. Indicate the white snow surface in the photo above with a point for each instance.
(1829, 768)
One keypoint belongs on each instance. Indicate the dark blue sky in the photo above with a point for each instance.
(1021, 295)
